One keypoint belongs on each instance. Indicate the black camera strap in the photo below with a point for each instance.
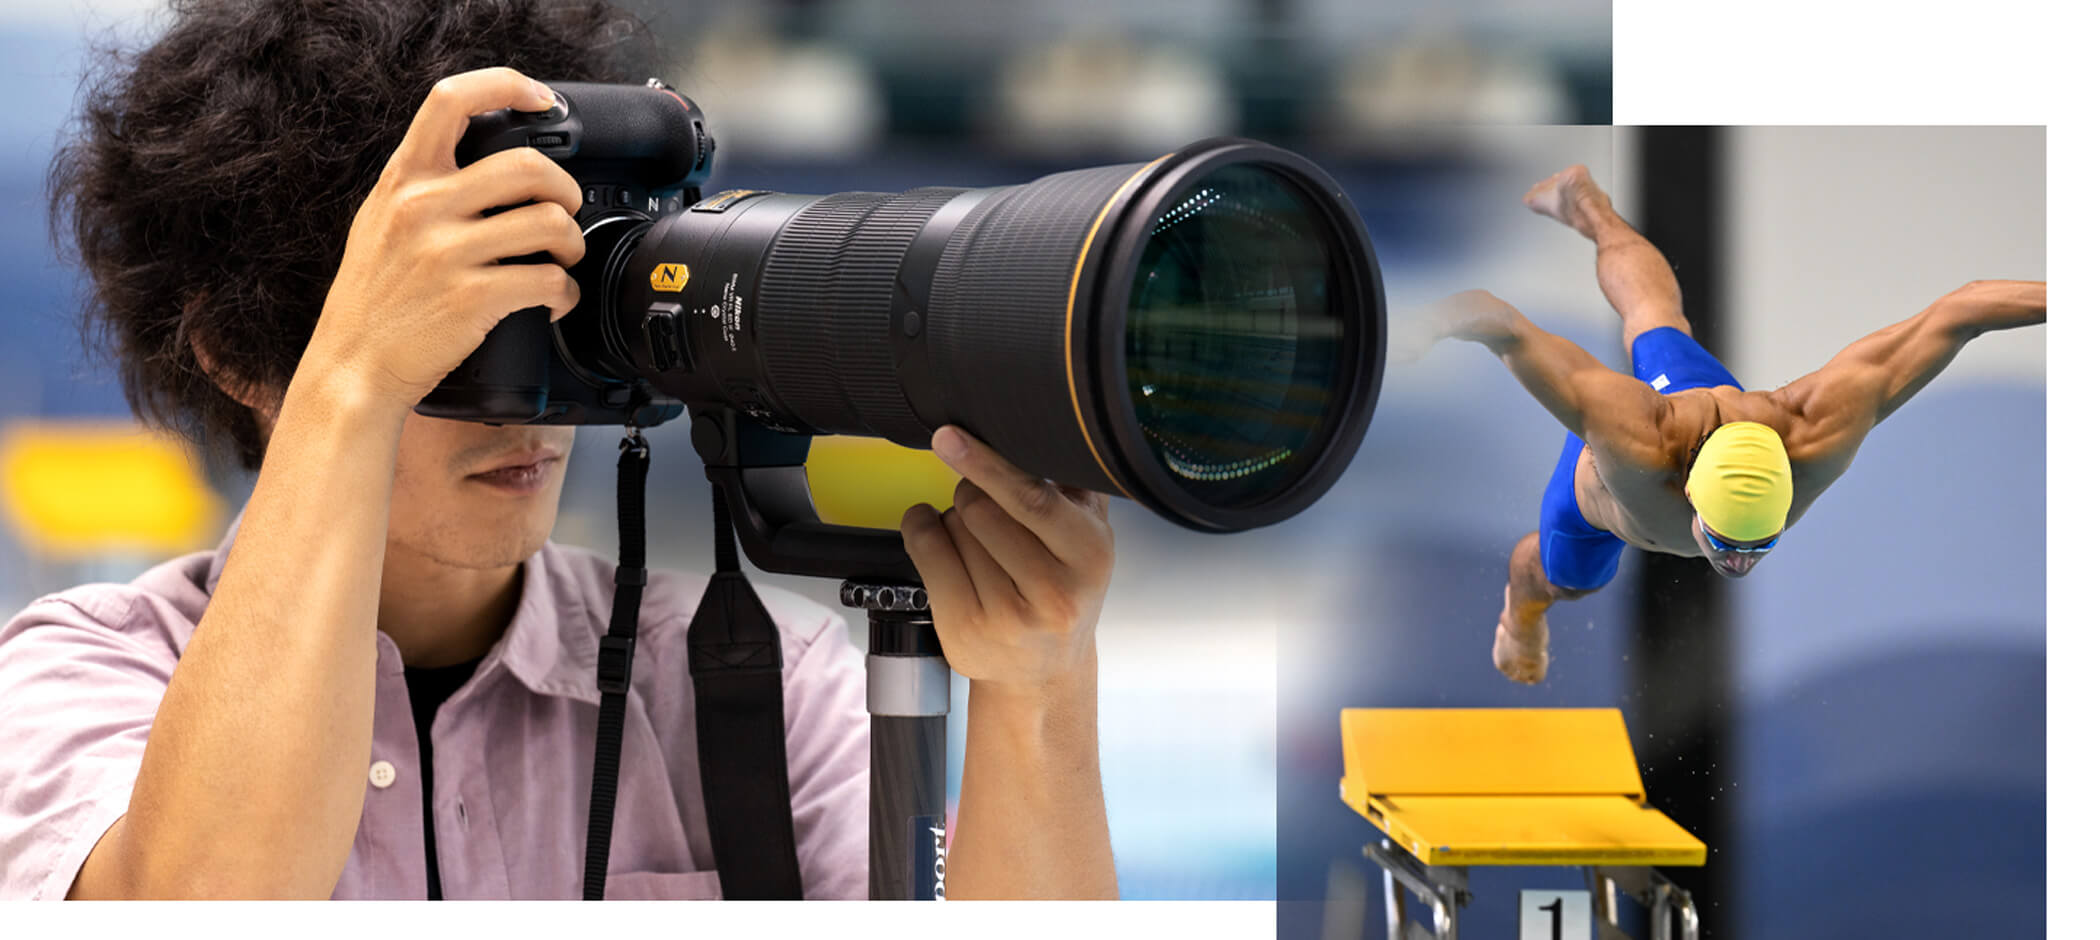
(616, 661)
(733, 652)
(739, 715)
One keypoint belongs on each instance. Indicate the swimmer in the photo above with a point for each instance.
(1679, 457)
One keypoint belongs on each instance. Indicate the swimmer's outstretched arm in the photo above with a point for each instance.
(1611, 411)
(1867, 381)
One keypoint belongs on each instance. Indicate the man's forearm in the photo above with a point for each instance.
(1545, 364)
(1868, 380)
(254, 773)
(1542, 362)
(1032, 822)
(1565, 379)
(1983, 306)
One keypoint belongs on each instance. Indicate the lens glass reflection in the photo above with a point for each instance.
(1234, 347)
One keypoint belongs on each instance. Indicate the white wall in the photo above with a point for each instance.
(1837, 231)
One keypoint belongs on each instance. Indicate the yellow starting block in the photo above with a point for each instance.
(79, 490)
(1451, 788)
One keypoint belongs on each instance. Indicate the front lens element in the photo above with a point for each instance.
(1234, 342)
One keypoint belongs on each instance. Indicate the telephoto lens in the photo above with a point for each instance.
(1203, 333)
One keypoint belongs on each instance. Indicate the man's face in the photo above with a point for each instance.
(1734, 564)
(469, 495)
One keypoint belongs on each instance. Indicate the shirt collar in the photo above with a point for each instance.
(551, 642)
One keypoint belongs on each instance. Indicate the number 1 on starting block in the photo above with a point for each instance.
(1553, 915)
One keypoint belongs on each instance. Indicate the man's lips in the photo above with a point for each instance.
(522, 473)
(520, 458)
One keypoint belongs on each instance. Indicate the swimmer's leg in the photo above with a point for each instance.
(1520, 634)
(1635, 276)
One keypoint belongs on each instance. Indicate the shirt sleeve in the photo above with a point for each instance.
(81, 677)
(825, 698)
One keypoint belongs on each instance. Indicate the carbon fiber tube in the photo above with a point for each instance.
(907, 809)
(908, 753)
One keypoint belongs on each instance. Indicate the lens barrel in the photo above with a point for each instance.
(1204, 333)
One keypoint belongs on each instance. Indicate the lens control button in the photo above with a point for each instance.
(667, 349)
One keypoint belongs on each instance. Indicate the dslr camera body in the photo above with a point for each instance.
(641, 156)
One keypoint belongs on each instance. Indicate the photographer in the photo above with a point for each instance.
(382, 684)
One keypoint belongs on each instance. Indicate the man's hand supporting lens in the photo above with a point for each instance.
(1015, 573)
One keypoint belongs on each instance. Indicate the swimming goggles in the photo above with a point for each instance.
(1725, 548)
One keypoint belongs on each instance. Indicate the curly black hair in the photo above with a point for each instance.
(210, 178)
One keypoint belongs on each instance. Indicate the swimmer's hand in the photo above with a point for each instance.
(1413, 334)
(1520, 651)
(1475, 316)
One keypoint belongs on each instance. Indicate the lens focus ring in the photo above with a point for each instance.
(824, 308)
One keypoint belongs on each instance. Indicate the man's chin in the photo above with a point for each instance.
(500, 537)
(480, 552)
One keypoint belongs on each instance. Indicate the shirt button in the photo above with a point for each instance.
(382, 775)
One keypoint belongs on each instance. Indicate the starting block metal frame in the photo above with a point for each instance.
(1451, 788)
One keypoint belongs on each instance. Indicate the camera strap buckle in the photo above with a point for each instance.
(615, 665)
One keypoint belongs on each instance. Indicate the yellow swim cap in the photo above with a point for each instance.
(1741, 483)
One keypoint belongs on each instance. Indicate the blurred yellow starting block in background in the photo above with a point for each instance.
(80, 491)
(1451, 788)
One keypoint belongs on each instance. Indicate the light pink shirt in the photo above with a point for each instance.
(82, 673)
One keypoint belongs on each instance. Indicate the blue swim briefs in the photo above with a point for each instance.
(1580, 556)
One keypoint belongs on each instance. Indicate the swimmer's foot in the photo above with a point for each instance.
(1566, 197)
(1520, 651)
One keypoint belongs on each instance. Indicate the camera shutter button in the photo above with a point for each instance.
(558, 111)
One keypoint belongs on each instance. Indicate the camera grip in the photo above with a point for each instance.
(504, 380)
